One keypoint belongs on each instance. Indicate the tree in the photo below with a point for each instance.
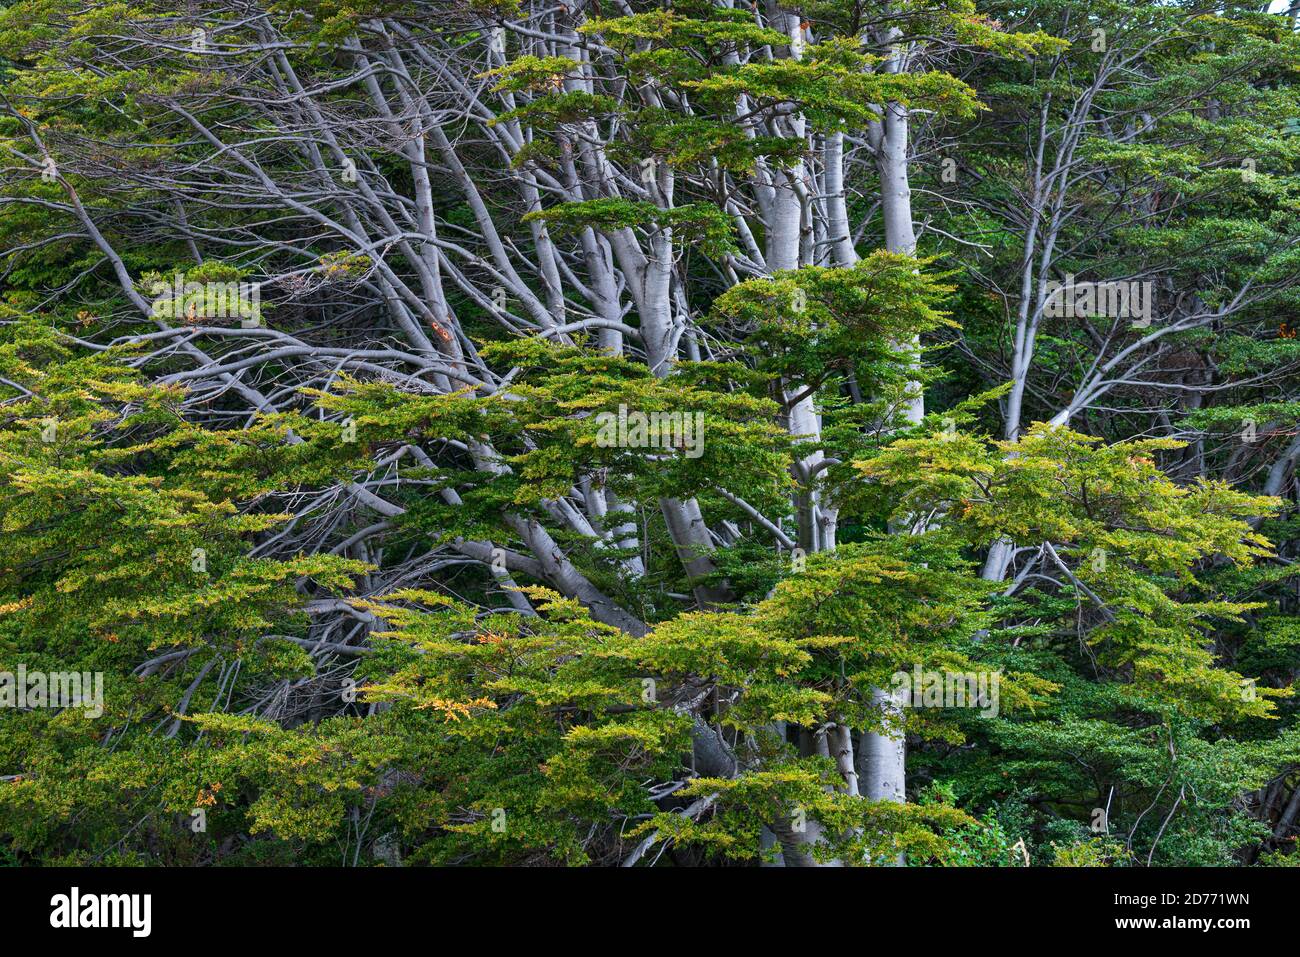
(489, 432)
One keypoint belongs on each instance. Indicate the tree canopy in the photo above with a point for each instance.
(649, 432)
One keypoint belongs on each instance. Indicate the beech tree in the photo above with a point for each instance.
(501, 432)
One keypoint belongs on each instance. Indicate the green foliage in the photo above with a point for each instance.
(1144, 652)
(694, 224)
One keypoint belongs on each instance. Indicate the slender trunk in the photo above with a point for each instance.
(883, 753)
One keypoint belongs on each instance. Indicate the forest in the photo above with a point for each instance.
(649, 433)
